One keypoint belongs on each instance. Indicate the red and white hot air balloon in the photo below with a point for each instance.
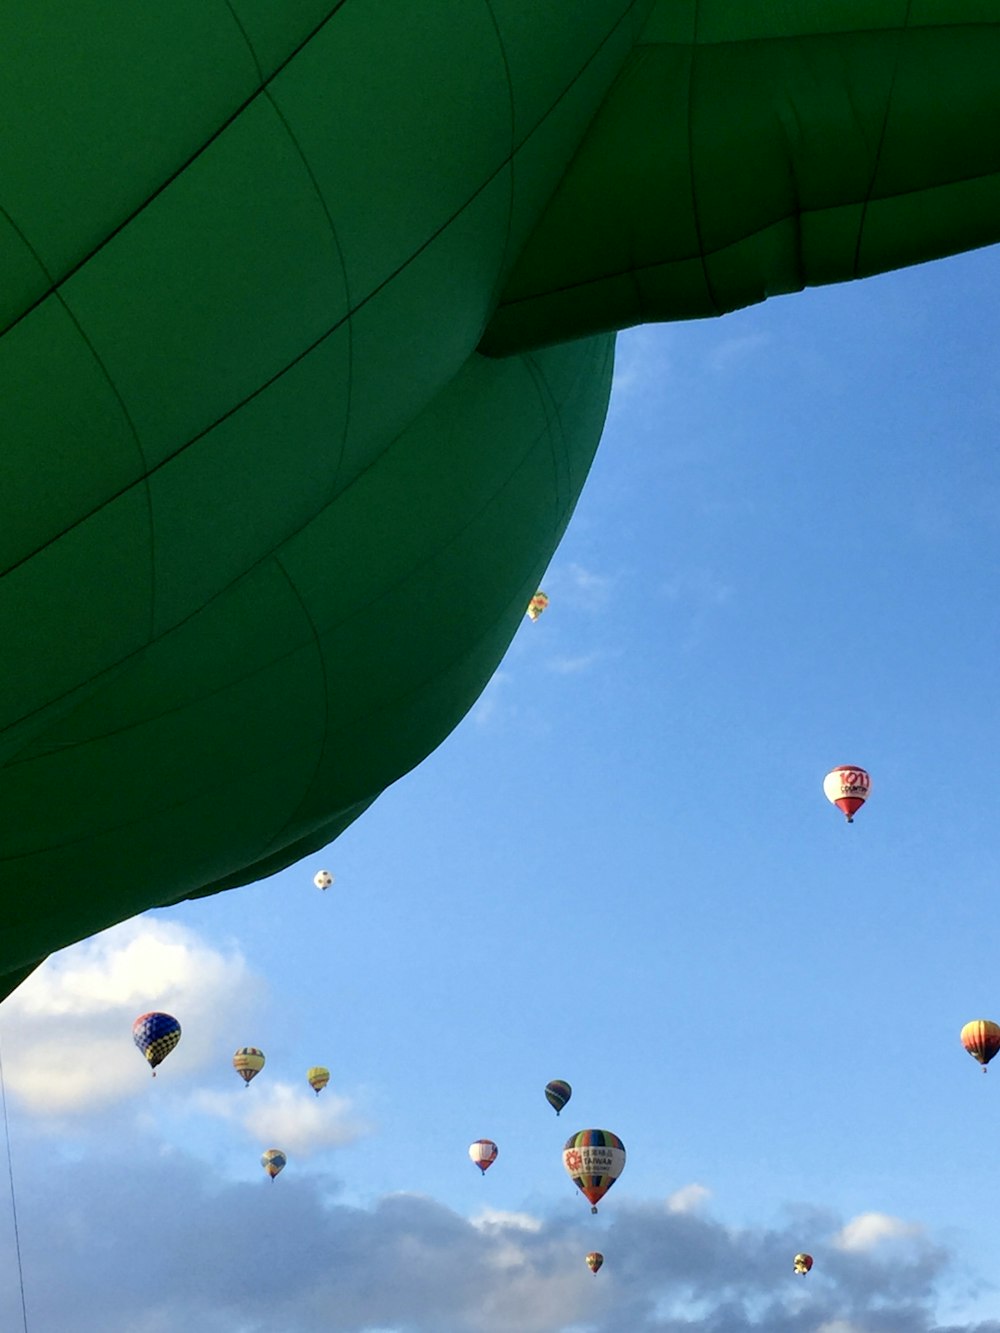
(484, 1153)
(847, 786)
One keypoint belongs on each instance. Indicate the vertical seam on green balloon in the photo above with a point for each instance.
(695, 213)
(139, 481)
(56, 283)
(624, 17)
(335, 471)
(318, 641)
(502, 267)
(555, 426)
(900, 38)
(246, 37)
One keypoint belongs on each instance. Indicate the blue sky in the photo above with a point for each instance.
(620, 870)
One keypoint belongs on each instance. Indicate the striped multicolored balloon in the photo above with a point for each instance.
(594, 1158)
(248, 1062)
(557, 1093)
(981, 1039)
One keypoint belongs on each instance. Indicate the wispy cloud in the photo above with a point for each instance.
(688, 1199)
(733, 353)
(868, 1230)
(572, 666)
(642, 361)
(288, 1116)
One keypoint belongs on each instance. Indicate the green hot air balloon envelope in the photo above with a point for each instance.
(557, 1094)
(296, 313)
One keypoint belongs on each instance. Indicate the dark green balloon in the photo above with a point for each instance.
(307, 314)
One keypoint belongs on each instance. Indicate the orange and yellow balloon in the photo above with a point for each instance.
(847, 786)
(981, 1039)
(802, 1263)
(594, 1260)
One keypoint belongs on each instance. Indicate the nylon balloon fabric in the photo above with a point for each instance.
(306, 328)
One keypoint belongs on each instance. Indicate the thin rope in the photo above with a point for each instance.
(13, 1200)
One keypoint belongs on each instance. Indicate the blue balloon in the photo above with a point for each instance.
(156, 1035)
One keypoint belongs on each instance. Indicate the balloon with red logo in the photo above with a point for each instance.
(594, 1159)
(981, 1039)
(484, 1153)
(847, 786)
(802, 1263)
(594, 1260)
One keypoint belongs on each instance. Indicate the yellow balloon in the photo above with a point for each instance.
(318, 1078)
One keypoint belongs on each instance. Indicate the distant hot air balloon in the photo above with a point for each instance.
(558, 1093)
(537, 605)
(981, 1039)
(847, 787)
(484, 1153)
(322, 879)
(248, 1062)
(594, 1260)
(594, 1159)
(273, 1161)
(802, 1263)
(318, 1078)
(156, 1035)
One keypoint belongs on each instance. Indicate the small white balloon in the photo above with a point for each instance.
(322, 879)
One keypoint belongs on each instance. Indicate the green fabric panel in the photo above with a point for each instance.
(238, 275)
(723, 150)
(97, 110)
(275, 32)
(66, 444)
(24, 279)
(79, 606)
(542, 61)
(540, 159)
(400, 173)
(224, 504)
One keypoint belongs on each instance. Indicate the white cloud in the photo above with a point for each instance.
(492, 1219)
(732, 353)
(584, 588)
(868, 1230)
(688, 1199)
(67, 1031)
(572, 666)
(491, 701)
(288, 1117)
